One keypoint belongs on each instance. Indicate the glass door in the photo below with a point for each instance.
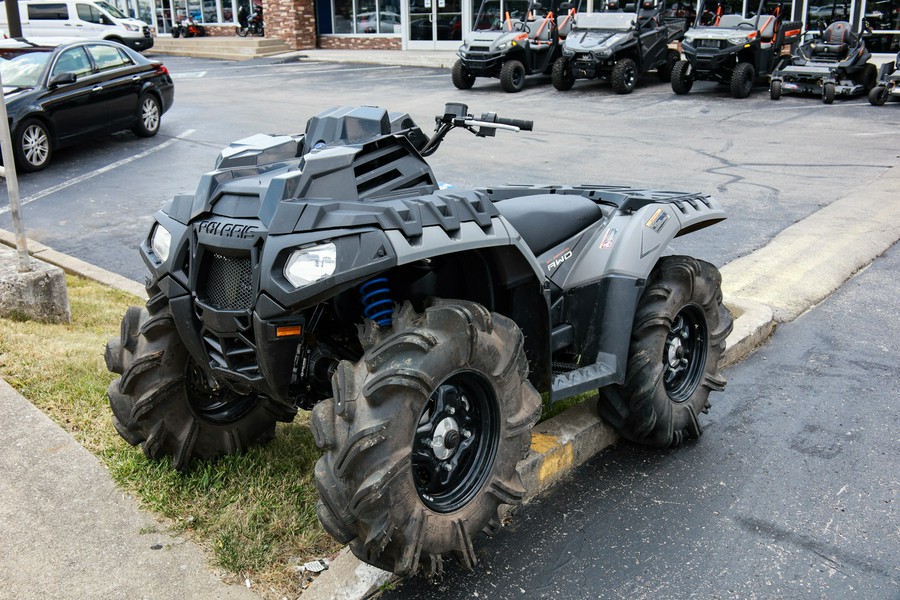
(434, 24)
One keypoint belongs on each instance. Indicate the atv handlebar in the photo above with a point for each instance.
(457, 114)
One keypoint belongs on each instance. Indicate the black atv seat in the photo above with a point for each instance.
(546, 220)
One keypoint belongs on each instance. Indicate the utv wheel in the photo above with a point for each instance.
(673, 363)
(742, 80)
(828, 93)
(164, 402)
(878, 96)
(32, 146)
(664, 71)
(775, 90)
(623, 77)
(148, 116)
(512, 76)
(682, 79)
(423, 437)
(462, 79)
(563, 78)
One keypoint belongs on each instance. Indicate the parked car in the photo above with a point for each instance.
(57, 93)
(86, 19)
(382, 22)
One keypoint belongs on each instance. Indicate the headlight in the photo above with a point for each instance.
(503, 46)
(310, 265)
(688, 39)
(738, 41)
(161, 242)
(131, 27)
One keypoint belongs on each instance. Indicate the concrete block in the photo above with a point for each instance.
(39, 294)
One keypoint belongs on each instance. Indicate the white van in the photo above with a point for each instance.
(91, 19)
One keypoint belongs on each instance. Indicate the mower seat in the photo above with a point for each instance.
(835, 41)
(545, 220)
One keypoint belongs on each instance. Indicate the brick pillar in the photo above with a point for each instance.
(293, 21)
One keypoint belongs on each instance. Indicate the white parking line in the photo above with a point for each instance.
(100, 171)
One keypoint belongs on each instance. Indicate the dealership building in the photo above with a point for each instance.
(435, 24)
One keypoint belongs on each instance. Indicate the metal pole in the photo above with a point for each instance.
(12, 185)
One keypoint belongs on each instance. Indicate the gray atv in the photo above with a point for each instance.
(618, 46)
(329, 272)
(521, 40)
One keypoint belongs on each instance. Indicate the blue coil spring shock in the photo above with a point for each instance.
(377, 304)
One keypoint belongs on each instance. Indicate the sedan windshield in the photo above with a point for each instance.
(22, 70)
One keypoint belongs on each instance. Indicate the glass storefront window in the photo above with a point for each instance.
(366, 16)
(883, 19)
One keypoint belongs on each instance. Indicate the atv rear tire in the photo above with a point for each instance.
(878, 96)
(682, 80)
(512, 76)
(624, 76)
(664, 71)
(423, 437)
(163, 402)
(828, 93)
(462, 79)
(673, 363)
(742, 80)
(563, 78)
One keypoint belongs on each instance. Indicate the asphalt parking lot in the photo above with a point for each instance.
(770, 163)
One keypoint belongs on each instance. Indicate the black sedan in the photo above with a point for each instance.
(56, 94)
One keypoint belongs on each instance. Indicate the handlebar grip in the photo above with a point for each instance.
(520, 123)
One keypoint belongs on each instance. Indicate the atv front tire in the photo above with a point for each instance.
(682, 80)
(742, 80)
(624, 76)
(462, 79)
(673, 363)
(423, 437)
(164, 402)
(512, 76)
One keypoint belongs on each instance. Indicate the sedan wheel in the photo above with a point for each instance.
(148, 119)
(33, 147)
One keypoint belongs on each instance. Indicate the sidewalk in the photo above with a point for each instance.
(69, 533)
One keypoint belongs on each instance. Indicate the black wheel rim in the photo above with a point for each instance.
(684, 355)
(218, 406)
(518, 76)
(455, 442)
(629, 78)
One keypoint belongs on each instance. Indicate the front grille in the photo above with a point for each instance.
(228, 282)
(718, 44)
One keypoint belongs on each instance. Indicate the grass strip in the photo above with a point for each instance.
(255, 512)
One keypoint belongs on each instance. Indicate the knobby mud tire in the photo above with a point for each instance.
(642, 409)
(462, 79)
(682, 82)
(154, 403)
(512, 76)
(742, 80)
(624, 76)
(369, 495)
(562, 76)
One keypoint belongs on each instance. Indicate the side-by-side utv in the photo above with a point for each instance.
(521, 40)
(734, 46)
